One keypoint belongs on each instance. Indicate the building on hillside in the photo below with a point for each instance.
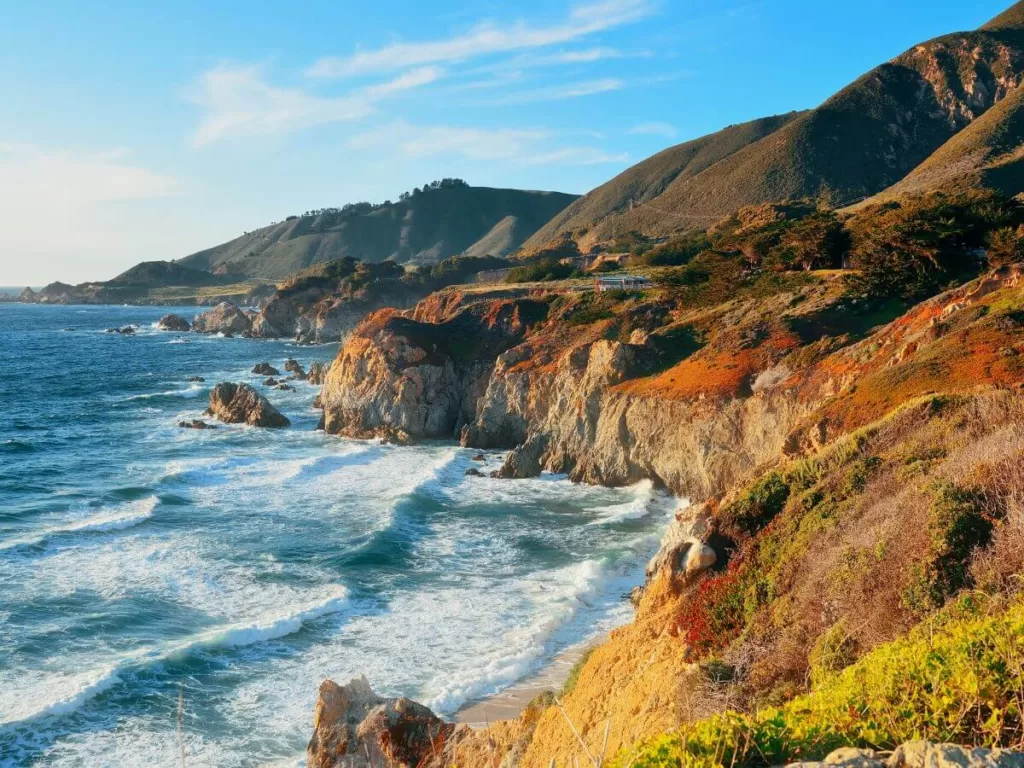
(620, 283)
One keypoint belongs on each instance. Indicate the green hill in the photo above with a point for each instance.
(862, 140)
(424, 227)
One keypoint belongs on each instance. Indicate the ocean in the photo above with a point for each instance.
(237, 568)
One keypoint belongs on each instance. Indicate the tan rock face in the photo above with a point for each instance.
(223, 318)
(241, 404)
(173, 322)
(355, 728)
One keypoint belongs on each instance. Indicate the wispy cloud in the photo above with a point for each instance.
(237, 101)
(520, 146)
(415, 78)
(485, 39)
(563, 91)
(654, 129)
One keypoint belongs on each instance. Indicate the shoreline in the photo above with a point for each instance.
(510, 703)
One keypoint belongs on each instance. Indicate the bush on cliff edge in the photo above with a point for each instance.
(956, 678)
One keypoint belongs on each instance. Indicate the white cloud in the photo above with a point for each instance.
(520, 146)
(654, 129)
(238, 102)
(485, 39)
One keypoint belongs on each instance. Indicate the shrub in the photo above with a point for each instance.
(676, 252)
(1006, 246)
(914, 248)
(541, 271)
(958, 524)
(956, 679)
(758, 506)
(715, 613)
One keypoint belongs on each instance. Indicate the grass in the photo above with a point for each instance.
(957, 678)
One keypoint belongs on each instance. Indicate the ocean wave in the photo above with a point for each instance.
(133, 514)
(230, 636)
(639, 506)
(188, 392)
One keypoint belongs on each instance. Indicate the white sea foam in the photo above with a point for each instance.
(74, 690)
(121, 518)
(27, 706)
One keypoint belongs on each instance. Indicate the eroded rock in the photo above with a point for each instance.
(241, 404)
(265, 369)
(355, 728)
(224, 318)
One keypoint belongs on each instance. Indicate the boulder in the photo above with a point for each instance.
(271, 382)
(285, 387)
(920, 754)
(292, 366)
(174, 322)
(355, 728)
(196, 424)
(474, 472)
(196, 379)
(125, 331)
(265, 369)
(684, 549)
(241, 404)
(224, 318)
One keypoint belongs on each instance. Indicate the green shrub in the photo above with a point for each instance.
(958, 524)
(541, 271)
(956, 679)
(759, 505)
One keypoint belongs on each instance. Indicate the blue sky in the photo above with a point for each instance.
(139, 131)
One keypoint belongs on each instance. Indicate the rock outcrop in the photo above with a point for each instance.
(265, 369)
(292, 366)
(317, 373)
(224, 318)
(403, 378)
(241, 404)
(28, 296)
(173, 322)
(355, 728)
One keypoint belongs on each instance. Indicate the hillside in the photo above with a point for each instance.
(862, 140)
(425, 227)
(647, 180)
(985, 154)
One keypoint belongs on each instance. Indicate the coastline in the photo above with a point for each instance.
(510, 703)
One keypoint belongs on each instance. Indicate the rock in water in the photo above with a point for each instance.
(174, 322)
(355, 728)
(241, 404)
(292, 366)
(196, 424)
(224, 318)
(317, 373)
(265, 369)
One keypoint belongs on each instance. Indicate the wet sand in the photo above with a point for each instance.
(508, 704)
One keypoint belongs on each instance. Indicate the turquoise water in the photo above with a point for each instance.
(239, 567)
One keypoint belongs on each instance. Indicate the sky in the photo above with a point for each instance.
(137, 131)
